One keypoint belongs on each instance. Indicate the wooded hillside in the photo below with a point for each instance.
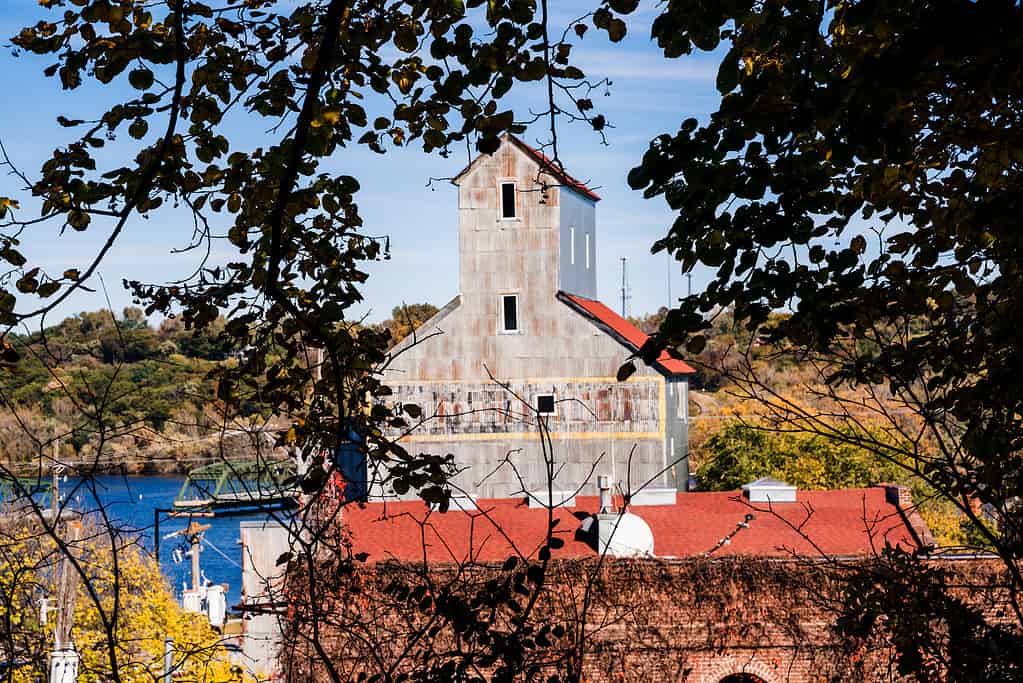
(97, 377)
(143, 389)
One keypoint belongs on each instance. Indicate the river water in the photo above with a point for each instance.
(131, 501)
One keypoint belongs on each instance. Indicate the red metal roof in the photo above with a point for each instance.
(626, 332)
(547, 165)
(849, 522)
(555, 169)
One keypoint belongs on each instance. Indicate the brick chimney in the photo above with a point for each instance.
(898, 495)
(902, 498)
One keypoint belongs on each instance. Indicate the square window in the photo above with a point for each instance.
(545, 404)
(509, 313)
(507, 200)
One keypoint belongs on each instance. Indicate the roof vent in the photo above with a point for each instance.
(654, 496)
(544, 498)
(769, 490)
(465, 502)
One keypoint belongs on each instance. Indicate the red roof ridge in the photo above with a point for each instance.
(547, 164)
(626, 333)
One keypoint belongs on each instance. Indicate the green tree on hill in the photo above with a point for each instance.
(407, 318)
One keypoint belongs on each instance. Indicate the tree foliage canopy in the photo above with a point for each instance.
(132, 611)
(862, 170)
(739, 453)
(323, 76)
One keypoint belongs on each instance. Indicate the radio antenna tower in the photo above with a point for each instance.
(626, 295)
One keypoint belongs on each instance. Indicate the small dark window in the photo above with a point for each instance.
(508, 200)
(545, 404)
(510, 304)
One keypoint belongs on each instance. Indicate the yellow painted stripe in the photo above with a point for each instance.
(565, 436)
(528, 380)
(531, 436)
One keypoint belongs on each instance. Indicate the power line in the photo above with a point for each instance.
(220, 552)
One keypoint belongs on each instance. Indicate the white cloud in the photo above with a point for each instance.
(630, 65)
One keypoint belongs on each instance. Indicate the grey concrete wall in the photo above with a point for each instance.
(578, 213)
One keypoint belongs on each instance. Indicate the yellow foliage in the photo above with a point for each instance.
(122, 614)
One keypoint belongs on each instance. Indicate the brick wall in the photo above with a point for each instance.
(650, 621)
(694, 620)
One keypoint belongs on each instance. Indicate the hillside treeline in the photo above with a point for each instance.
(98, 378)
(136, 391)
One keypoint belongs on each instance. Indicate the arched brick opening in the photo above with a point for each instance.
(737, 669)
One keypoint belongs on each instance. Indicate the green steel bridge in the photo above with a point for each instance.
(15, 489)
(251, 484)
(224, 486)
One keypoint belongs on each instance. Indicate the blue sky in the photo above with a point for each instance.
(649, 96)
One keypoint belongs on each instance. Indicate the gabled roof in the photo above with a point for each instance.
(844, 523)
(622, 330)
(545, 163)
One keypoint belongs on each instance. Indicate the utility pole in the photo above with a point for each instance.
(668, 254)
(195, 561)
(194, 532)
(168, 660)
(192, 598)
(625, 289)
(56, 469)
(66, 591)
(689, 279)
(64, 659)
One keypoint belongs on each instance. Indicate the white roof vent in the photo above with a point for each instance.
(769, 490)
(654, 496)
(465, 502)
(544, 498)
(624, 535)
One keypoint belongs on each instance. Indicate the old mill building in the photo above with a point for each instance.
(527, 340)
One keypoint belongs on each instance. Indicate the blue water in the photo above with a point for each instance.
(131, 500)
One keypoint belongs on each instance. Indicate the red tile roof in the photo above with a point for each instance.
(850, 522)
(547, 165)
(626, 333)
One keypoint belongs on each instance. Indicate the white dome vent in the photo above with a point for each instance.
(624, 535)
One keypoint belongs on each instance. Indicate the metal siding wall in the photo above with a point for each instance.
(677, 428)
(556, 348)
(262, 582)
(580, 213)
